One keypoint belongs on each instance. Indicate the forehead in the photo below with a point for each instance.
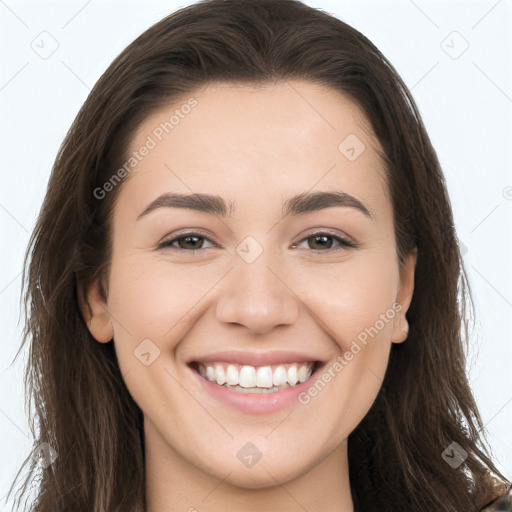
(259, 141)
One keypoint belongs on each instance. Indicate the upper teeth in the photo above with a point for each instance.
(248, 376)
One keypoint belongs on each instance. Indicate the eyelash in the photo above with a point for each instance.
(343, 243)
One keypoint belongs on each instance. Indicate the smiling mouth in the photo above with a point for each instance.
(256, 379)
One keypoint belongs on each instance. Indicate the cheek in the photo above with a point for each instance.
(354, 301)
(149, 298)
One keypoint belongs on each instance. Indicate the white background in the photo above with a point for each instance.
(465, 98)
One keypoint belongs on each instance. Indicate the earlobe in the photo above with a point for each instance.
(404, 297)
(96, 315)
(400, 334)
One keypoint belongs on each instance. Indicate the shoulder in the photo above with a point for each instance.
(501, 503)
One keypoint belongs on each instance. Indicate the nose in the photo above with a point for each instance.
(256, 296)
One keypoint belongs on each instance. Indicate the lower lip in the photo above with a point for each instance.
(254, 403)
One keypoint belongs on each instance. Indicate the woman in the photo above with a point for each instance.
(243, 284)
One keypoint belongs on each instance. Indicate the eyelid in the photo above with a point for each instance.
(168, 239)
(344, 241)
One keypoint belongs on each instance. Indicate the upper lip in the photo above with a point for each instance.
(268, 358)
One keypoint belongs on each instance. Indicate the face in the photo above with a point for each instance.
(254, 330)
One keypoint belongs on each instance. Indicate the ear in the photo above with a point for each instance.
(96, 314)
(404, 297)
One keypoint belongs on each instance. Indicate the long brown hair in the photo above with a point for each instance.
(81, 406)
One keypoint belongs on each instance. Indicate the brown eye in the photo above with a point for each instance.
(324, 242)
(187, 242)
(320, 242)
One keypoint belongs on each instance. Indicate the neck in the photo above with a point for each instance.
(172, 483)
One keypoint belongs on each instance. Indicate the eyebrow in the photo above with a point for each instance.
(296, 205)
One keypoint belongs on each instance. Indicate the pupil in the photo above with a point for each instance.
(188, 238)
(324, 237)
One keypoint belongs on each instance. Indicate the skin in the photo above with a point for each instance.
(302, 299)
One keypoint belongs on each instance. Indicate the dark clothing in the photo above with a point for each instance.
(500, 504)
